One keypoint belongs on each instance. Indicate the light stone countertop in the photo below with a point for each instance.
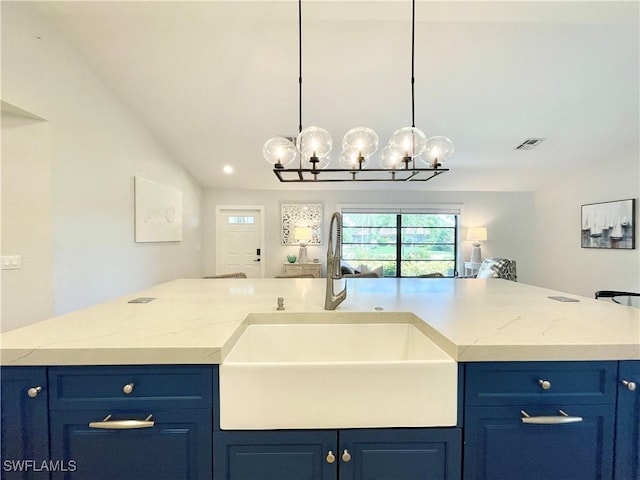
(196, 321)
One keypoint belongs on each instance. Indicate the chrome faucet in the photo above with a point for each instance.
(334, 270)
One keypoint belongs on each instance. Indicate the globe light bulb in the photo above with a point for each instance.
(314, 142)
(410, 139)
(437, 150)
(279, 151)
(362, 139)
(352, 158)
(391, 157)
(318, 164)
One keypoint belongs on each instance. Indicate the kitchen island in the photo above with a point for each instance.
(193, 321)
(522, 356)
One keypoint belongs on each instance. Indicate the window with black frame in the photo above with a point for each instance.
(403, 244)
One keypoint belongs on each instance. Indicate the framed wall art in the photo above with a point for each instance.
(158, 212)
(609, 225)
(301, 215)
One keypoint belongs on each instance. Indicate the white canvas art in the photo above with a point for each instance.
(158, 212)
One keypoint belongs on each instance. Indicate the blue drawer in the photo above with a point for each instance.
(131, 387)
(522, 383)
(499, 446)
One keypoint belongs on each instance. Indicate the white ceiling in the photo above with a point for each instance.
(213, 80)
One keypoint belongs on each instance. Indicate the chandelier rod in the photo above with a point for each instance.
(299, 66)
(413, 47)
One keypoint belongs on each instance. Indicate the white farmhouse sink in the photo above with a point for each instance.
(336, 375)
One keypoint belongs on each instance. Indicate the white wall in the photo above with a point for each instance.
(508, 217)
(560, 261)
(96, 148)
(27, 293)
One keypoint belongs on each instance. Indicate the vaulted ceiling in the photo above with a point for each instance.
(213, 80)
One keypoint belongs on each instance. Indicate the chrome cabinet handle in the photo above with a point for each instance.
(630, 385)
(330, 457)
(549, 420)
(34, 391)
(107, 424)
(128, 388)
(545, 384)
(346, 456)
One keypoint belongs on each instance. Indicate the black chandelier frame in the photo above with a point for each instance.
(408, 173)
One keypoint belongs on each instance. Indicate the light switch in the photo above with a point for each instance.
(11, 262)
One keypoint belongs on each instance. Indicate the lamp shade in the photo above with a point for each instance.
(477, 233)
(303, 234)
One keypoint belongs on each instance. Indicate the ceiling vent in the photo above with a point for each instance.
(529, 143)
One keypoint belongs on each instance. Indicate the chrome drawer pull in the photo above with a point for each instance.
(107, 424)
(630, 385)
(128, 388)
(330, 457)
(549, 420)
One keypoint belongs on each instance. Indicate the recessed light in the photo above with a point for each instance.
(228, 169)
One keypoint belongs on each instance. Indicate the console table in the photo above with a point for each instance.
(291, 269)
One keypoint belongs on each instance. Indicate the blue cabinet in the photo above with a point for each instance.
(282, 455)
(407, 454)
(51, 417)
(539, 420)
(499, 446)
(371, 454)
(627, 447)
(176, 447)
(25, 431)
(132, 423)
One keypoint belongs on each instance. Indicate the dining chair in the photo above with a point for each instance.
(614, 293)
(229, 275)
(300, 275)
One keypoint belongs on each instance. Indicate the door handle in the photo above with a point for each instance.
(257, 260)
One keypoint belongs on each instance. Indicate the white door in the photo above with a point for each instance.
(239, 240)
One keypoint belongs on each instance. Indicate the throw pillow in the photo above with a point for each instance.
(487, 270)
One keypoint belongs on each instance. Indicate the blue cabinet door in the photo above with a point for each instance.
(499, 446)
(363, 454)
(394, 454)
(25, 430)
(275, 455)
(177, 447)
(627, 450)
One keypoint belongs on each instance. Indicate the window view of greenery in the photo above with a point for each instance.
(405, 245)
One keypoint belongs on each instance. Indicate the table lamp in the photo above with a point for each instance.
(477, 234)
(303, 235)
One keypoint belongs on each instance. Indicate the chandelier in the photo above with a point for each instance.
(408, 156)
